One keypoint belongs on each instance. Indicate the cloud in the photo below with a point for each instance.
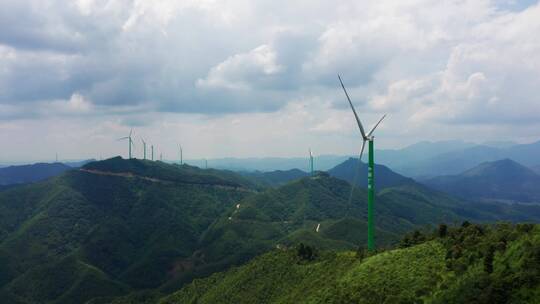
(441, 66)
(243, 71)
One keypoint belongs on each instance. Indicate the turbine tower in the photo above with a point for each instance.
(371, 169)
(144, 148)
(310, 162)
(181, 156)
(130, 142)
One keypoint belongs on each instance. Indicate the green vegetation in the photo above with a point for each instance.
(171, 173)
(469, 264)
(132, 231)
(106, 234)
(275, 178)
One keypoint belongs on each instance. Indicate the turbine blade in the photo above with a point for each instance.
(352, 107)
(362, 150)
(130, 131)
(123, 138)
(355, 180)
(375, 126)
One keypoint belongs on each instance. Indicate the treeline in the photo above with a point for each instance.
(497, 263)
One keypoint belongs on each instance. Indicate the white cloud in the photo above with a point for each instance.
(240, 71)
(440, 68)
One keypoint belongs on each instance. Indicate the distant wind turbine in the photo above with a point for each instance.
(310, 162)
(371, 168)
(130, 142)
(181, 156)
(144, 148)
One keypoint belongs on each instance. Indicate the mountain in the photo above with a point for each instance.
(418, 152)
(315, 210)
(420, 160)
(499, 143)
(110, 228)
(133, 229)
(117, 227)
(30, 173)
(265, 164)
(275, 178)
(351, 171)
(79, 163)
(454, 162)
(503, 180)
(468, 264)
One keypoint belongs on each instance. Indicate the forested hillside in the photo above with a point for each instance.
(108, 229)
(467, 264)
(139, 230)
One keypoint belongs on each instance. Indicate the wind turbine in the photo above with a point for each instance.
(144, 148)
(130, 141)
(310, 162)
(371, 168)
(181, 156)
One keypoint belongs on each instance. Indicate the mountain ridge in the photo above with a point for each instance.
(498, 180)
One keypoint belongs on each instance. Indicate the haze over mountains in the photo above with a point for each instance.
(421, 160)
(30, 173)
(503, 180)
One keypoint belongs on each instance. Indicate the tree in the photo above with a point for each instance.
(443, 230)
(488, 259)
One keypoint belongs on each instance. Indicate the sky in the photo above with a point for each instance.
(248, 78)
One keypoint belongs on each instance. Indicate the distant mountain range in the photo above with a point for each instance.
(464, 158)
(350, 170)
(30, 173)
(503, 180)
(22, 174)
(421, 160)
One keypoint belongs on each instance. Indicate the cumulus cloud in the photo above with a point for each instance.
(242, 71)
